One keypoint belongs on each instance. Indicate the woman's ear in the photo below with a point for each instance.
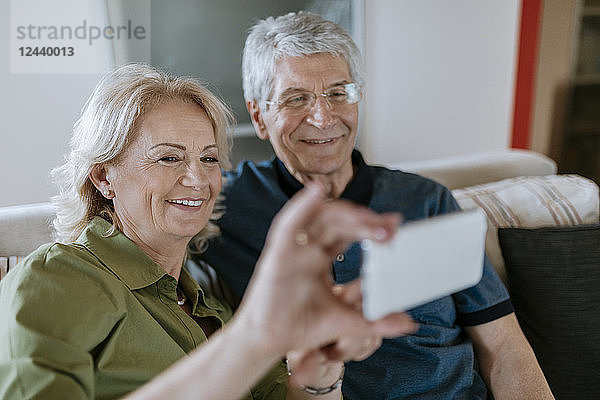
(257, 119)
(99, 179)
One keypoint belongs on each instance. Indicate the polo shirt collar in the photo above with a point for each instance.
(120, 255)
(358, 190)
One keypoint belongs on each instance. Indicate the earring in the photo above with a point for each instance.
(106, 192)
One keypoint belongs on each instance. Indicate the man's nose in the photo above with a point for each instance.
(321, 114)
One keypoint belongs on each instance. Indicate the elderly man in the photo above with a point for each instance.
(302, 84)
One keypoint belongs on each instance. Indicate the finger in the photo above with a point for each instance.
(349, 221)
(355, 348)
(350, 309)
(338, 224)
(299, 210)
(394, 325)
(349, 297)
(350, 294)
(306, 366)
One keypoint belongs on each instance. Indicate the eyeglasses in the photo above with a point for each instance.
(303, 100)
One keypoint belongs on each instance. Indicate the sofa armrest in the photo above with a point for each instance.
(24, 228)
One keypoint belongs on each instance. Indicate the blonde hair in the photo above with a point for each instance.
(104, 129)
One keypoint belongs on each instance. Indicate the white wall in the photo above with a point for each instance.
(37, 112)
(440, 77)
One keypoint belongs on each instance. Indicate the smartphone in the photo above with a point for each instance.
(426, 259)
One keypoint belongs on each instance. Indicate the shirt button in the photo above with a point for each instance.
(339, 258)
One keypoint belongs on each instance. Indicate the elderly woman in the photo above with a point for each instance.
(109, 308)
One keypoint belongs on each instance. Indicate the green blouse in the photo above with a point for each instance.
(98, 318)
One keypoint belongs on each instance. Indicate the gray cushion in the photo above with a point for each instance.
(554, 280)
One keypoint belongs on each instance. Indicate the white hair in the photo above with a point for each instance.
(292, 35)
(108, 124)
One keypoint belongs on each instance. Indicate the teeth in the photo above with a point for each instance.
(190, 203)
(319, 141)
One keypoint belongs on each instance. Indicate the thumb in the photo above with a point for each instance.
(299, 210)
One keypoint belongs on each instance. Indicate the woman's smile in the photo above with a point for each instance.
(186, 204)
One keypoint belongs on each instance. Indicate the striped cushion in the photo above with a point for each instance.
(531, 202)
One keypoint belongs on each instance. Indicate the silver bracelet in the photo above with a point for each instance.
(320, 391)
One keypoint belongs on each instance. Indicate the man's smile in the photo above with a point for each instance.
(321, 141)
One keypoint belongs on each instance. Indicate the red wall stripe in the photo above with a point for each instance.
(527, 63)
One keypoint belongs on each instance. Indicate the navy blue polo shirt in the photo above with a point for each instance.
(437, 362)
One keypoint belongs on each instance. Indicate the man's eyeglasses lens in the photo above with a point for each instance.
(336, 96)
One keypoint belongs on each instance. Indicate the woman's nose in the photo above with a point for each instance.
(195, 176)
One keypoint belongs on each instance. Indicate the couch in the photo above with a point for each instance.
(543, 239)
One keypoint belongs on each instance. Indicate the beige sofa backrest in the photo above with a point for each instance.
(24, 228)
(474, 169)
